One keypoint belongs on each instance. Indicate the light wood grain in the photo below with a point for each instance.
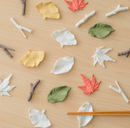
(14, 110)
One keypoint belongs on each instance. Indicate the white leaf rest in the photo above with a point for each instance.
(64, 37)
(63, 65)
(84, 120)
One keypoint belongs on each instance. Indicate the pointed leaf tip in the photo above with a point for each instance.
(100, 30)
(58, 94)
(90, 85)
(76, 5)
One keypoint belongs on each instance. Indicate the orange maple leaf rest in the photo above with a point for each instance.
(90, 85)
(76, 4)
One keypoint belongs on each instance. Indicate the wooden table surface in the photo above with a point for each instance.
(14, 110)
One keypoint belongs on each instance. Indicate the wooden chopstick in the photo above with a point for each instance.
(103, 113)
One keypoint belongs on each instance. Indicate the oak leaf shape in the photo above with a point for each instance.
(4, 88)
(63, 65)
(90, 85)
(48, 10)
(32, 58)
(76, 4)
(39, 118)
(64, 37)
(100, 30)
(58, 94)
(84, 120)
(100, 56)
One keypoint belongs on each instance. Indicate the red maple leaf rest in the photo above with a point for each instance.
(90, 85)
(76, 4)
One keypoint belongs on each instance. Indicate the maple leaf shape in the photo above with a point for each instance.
(100, 56)
(4, 86)
(76, 4)
(90, 85)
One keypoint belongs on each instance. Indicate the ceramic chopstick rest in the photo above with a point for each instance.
(64, 37)
(5, 49)
(63, 65)
(75, 4)
(20, 27)
(33, 86)
(119, 90)
(100, 56)
(118, 9)
(32, 58)
(58, 94)
(100, 30)
(126, 53)
(4, 88)
(39, 118)
(89, 85)
(24, 6)
(85, 18)
(84, 120)
(48, 10)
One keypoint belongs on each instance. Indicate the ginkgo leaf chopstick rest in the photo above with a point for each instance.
(118, 9)
(5, 49)
(119, 91)
(21, 27)
(39, 118)
(85, 18)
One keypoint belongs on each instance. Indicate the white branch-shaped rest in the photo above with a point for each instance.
(21, 27)
(118, 9)
(85, 18)
(119, 91)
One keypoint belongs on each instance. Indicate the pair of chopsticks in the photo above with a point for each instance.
(103, 113)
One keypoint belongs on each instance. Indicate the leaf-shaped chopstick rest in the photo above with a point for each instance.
(100, 56)
(63, 65)
(76, 4)
(48, 10)
(58, 94)
(100, 30)
(64, 37)
(89, 85)
(32, 58)
(4, 88)
(39, 118)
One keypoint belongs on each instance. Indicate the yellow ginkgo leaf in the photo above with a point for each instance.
(32, 58)
(48, 10)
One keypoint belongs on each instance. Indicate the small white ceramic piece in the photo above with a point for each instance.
(21, 27)
(39, 118)
(100, 56)
(64, 37)
(84, 120)
(85, 18)
(4, 88)
(119, 91)
(63, 65)
(118, 9)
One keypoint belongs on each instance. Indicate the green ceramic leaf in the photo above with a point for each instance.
(100, 30)
(58, 94)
